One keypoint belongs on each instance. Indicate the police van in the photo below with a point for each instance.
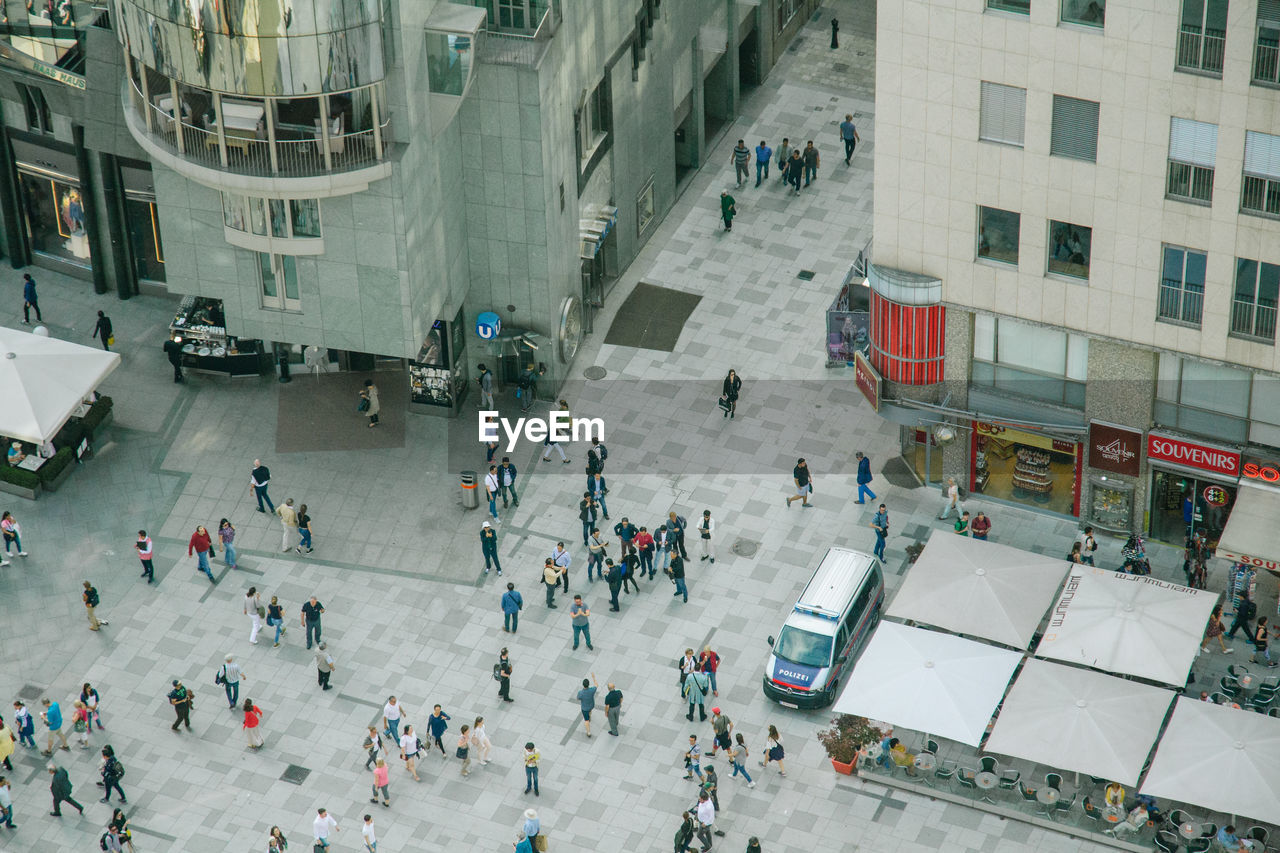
(826, 630)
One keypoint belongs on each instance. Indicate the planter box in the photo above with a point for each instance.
(11, 489)
(52, 485)
(846, 769)
(101, 428)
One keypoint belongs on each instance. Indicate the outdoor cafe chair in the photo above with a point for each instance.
(930, 746)
(944, 771)
(1178, 817)
(1065, 804)
(1221, 698)
(1272, 684)
(1053, 780)
(1273, 712)
(1262, 700)
(1236, 671)
(1028, 794)
(1199, 845)
(965, 777)
(1091, 813)
(1258, 834)
(1009, 778)
(1229, 686)
(1167, 841)
(988, 764)
(1208, 830)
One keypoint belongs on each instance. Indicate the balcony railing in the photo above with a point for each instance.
(1266, 60)
(1178, 304)
(1192, 183)
(1259, 195)
(1255, 321)
(1201, 51)
(506, 42)
(245, 136)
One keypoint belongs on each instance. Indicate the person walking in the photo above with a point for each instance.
(980, 526)
(599, 488)
(437, 723)
(794, 171)
(252, 724)
(24, 724)
(463, 750)
(102, 331)
(146, 551)
(740, 157)
(686, 833)
(763, 154)
(695, 689)
(275, 618)
(180, 698)
(645, 549)
(375, 747)
(369, 402)
(491, 489)
(80, 724)
(738, 755)
(12, 533)
(804, 483)
(880, 524)
(835, 34)
(504, 676)
(548, 444)
(676, 571)
(596, 553)
(1088, 545)
(311, 620)
(706, 529)
(368, 835)
(60, 787)
(775, 752)
(202, 546)
(409, 750)
(531, 759)
(587, 701)
(710, 662)
(1260, 643)
(731, 387)
(288, 524)
(7, 741)
(52, 716)
(259, 477)
(91, 600)
(6, 804)
(849, 134)
(1215, 630)
(485, 381)
(706, 818)
(864, 478)
(30, 299)
(276, 841)
(588, 513)
(120, 825)
(728, 209)
(304, 531)
(551, 580)
(325, 665)
(581, 624)
(784, 157)
(507, 474)
(381, 782)
(811, 163)
(597, 454)
(322, 826)
(173, 352)
(951, 500)
(693, 759)
(532, 828)
(613, 577)
(255, 611)
(489, 547)
(232, 675)
(962, 524)
(392, 713)
(613, 707)
(723, 728)
(512, 604)
(480, 740)
(676, 526)
(629, 566)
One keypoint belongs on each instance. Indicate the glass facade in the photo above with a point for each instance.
(54, 216)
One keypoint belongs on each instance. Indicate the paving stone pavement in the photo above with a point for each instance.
(409, 610)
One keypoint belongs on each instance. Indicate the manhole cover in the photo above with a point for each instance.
(806, 275)
(295, 774)
(745, 548)
(30, 693)
(839, 67)
(595, 372)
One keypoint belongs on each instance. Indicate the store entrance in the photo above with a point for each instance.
(925, 456)
(1025, 467)
(1181, 505)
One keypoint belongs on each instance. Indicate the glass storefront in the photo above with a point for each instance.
(54, 216)
(1181, 504)
(1026, 468)
(142, 222)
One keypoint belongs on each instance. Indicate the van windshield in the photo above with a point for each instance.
(803, 647)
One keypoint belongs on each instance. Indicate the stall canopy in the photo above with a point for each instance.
(42, 380)
(979, 588)
(1080, 720)
(1129, 624)
(1250, 535)
(931, 682)
(1220, 758)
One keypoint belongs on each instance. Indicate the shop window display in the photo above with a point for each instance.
(1182, 505)
(1025, 468)
(55, 218)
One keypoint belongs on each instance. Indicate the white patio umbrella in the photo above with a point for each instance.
(1220, 758)
(978, 588)
(1080, 720)
(1130, 624)
(928, 681)
(43, 379)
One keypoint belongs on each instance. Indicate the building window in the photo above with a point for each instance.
(1202, 36)
(1266, 53)
(1021, 7)
(279, 277)
(38, 117)
(593, 122)
(1203, 398)
(1260, 192)
(1253, 310)
(1193, 148)
(1182, 286)
(1034, 361)
(1070, 247)
(1087, 12)
(644, 207)
(998, 235)
(292, 219)
(787, 9)
(1075, 129)
(1003, 114)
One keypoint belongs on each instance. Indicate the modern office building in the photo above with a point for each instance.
(1076, 256)
(353, 182)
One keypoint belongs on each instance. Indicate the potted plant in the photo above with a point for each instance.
(847, 741)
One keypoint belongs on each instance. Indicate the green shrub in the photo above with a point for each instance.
(56, 464)
(20, 477)
(96, 415)
(70, 434)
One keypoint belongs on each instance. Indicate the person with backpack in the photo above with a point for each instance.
(502, 672)
(112, 772)
(485, 381)
(180, 698)
(684, 835)
(676, 525)
(527, 387)
(409, 749)
(596, 456)
(695, 690)
(90, 598)
(630, 565)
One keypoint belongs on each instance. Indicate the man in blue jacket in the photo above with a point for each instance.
(864, 477)
(30, 300)
(489, 545)
(507, 481)
(599, 489)
(512, 604)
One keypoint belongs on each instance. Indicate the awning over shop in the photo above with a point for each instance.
(1251, 535)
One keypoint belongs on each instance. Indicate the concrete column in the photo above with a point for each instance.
(88, 199)
(698, 109)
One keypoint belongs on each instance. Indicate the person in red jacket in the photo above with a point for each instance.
(202, 546)
(644, 547)
(710, 662)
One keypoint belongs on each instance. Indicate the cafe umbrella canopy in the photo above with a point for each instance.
(43, 380)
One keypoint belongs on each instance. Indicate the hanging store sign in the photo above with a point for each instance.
(1114, 448)
(867, 379)
(1189, 454)
(488, 325)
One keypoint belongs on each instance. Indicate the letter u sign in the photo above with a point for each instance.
(488, 325)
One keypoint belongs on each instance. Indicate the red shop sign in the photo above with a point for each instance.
(1261, 471)
(1190, 454)
(867, 379)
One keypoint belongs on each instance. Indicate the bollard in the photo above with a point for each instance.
(470, 494)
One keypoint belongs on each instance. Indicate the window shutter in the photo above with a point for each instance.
(1262, 155)
(1194, 142)
(1075, 128)
(1269, 13)
(1003, 113)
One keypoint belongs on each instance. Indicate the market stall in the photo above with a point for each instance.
(200, 327)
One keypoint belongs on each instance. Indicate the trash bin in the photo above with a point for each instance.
(470, 495)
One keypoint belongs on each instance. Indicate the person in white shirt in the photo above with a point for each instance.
(706, 818)
(252, 601)
(409, 751)
(562, 559)
(370, 842)
(232, 675)
(480, 740)
(951, 503)
(491, 488)
(705, 533)
(391, 713)
(323, 824)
